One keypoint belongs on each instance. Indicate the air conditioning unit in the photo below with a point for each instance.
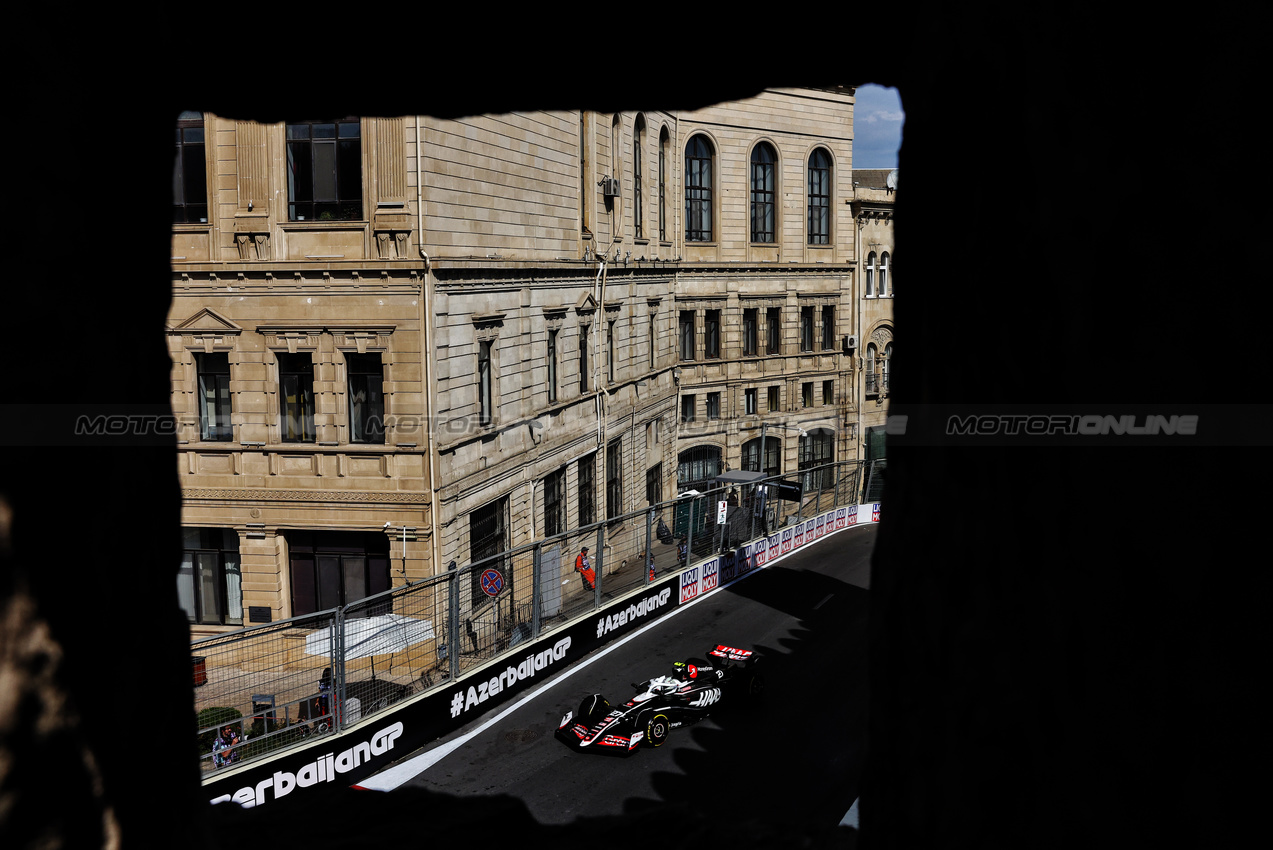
(850, 342)
(610, 187)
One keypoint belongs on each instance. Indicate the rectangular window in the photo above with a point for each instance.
(488, 537)
(774, 328)
(806, 328)
(749, 400)
(614, 480)
(687, 408)
(296, 391)
(750, 340)
(588, 490)
(711, 333)
(806, 394)
(214, 396)
(333, 568)
(713, 405)
(552, 365)
(583, 358)
(324, 170)
(773, 399)
(610, 352)
(817, 450)
(366, 398)
(687, 334)
(828, 392)
(190, 171)
(654, 358)
(555, 503)
(209, 581)
(654, 484)
(485, 381)
(828, 328)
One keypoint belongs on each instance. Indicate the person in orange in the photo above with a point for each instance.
(584, 567)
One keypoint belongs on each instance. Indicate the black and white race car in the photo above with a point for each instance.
(695, 688)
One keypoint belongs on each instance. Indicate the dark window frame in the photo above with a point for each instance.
(586, 476)
(313, 171)
(711, 334)
(367, 417)
(296, 397)
(614, 479)
(773, 330)
(763, 194)
(216, 406)
(214, 550)
(555, 503)
(751, 334)
(700, 157)
(190, 171)
(819, 198)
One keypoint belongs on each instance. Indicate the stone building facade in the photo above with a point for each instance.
(875, 191)
(400, 343)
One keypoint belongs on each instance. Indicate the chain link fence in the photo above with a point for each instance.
(268, 687)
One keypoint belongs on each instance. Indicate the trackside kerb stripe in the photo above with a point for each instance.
(399, 774)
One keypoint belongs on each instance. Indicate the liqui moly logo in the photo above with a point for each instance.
(799, 536)
(851, 515)
(788, 536)
(711, 575)
(689, 585)
(762, 550)
(809, 528)
(822, 527)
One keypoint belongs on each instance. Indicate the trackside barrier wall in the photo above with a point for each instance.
(301, 740)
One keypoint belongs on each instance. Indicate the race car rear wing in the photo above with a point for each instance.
(732, 654)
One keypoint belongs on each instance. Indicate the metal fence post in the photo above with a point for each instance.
(338, 673)
(649, 545)
(453, 628)
(596, 588)
(536, 594)
(689, 531)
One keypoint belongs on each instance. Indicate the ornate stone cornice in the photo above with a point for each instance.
(332, 496)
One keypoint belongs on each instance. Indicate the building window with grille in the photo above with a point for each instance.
(330, 569)
(774, 330)
(488, 538)
(806, 328)
(696, 468)
(555, 503)
(366, 398)
(214, 396)
(699, 156)
(296, 392)
(763, 193)
(817, 450)
(190, 171)
(552, 364)
(686, 336)
(614, 480)
(713, 405)
(209, 580)
(324, 170)
(750, 336)
(828, 328)
(711, 334)
(820, 198)
(587, 472)
(772, 459)
(687, 408)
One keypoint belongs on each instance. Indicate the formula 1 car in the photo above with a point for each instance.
(695, 688)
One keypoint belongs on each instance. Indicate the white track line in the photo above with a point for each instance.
(399, 774)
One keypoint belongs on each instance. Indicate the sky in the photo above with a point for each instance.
(877, 126)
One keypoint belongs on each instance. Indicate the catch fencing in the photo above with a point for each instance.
(274, 686)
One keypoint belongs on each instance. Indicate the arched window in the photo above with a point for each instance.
(884, 274)
(870, 275)
(762, 193)
(697, 468)
(664, 144)
(699, 156)
(871, 352)
(888, 358)
(772, 460)
(616, 171)
(638, 139)
(820, 197)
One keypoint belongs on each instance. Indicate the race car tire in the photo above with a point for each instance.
(656, 728)
(593, 707)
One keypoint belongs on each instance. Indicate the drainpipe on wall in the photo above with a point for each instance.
(430, 385)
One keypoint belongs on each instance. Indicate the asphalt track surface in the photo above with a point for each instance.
(793, 762)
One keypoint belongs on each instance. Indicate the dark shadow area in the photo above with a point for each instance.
(1084, 215)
